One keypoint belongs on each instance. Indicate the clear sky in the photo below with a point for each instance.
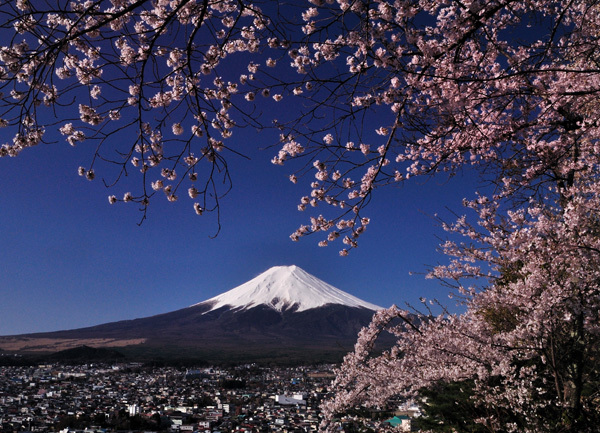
(69, 259)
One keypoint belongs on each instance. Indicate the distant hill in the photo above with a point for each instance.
(84, 354)
(284, 315)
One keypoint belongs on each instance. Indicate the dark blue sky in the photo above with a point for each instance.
(69, 259)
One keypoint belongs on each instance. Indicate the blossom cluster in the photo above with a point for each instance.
(528, 339)
(134, 75)
(462, 91)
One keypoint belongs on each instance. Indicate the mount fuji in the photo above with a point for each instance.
(284, 314)
(285, 288)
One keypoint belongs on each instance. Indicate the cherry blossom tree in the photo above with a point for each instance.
(386, 91)
(528, 339)
(142, 81)
(507, 88)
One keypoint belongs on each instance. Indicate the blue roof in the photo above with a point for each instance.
(397, 420)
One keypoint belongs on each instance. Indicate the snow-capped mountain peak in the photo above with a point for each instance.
(284, 287)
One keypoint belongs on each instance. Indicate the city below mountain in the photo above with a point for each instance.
(284, 315)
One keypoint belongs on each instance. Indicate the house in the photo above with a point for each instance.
(285, 400)
(401, 422)
(204, 425)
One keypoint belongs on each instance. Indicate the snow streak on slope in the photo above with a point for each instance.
(283, 287)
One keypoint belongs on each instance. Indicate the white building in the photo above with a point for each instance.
(133, 409)
(287, 400)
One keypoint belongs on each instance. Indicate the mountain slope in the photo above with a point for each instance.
(283, 313)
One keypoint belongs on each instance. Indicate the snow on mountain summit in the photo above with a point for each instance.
(283, 287)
